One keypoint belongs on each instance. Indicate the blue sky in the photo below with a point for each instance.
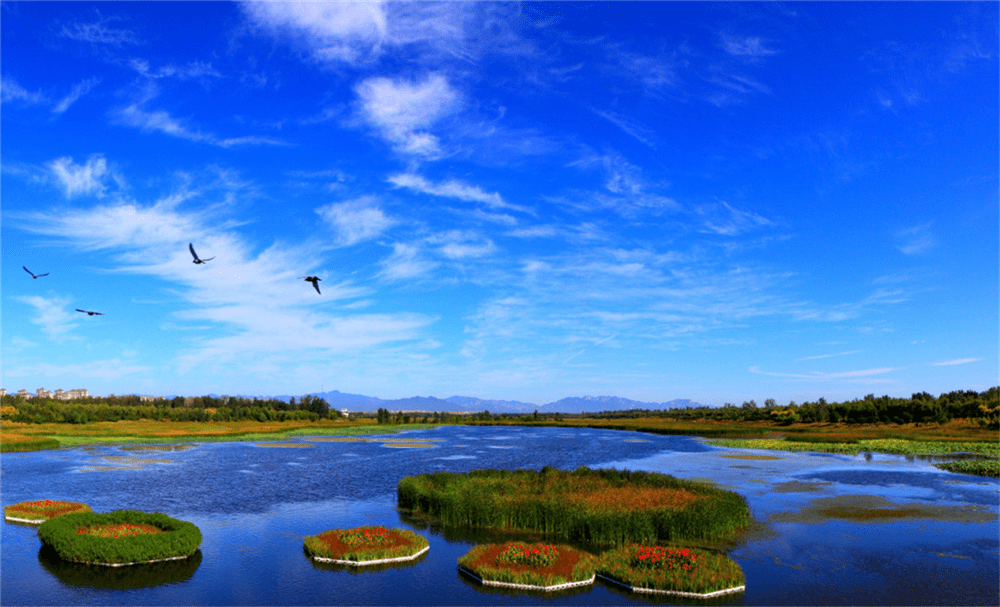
(653, 200)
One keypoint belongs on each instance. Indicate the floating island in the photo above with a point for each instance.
(364, 546)
(119, 538)
(539, 566)
(685, 572)
(39, 511)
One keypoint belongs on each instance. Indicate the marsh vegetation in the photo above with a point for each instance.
(598, 506)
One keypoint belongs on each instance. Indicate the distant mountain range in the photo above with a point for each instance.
(574, 404)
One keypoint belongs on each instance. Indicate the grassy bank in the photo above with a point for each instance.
(31, 437)
(885, 445)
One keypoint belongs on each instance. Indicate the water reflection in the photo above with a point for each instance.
(118, 578)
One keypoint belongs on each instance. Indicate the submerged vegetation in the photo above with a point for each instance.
(360, 544)
(600, 506)
(671, 569)
(119, 537)
(539, 565)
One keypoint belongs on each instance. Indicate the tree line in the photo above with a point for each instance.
(189, 409)
(920, 408)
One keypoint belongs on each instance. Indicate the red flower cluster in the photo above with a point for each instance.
(117, 531)
(366, 535)
(536, 555)
(49, 508)
(650, 557)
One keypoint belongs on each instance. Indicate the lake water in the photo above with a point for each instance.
(830, 530)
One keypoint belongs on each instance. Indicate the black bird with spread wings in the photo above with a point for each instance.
(195, 255)
(33, 275)
(313, 279)
(89, 313)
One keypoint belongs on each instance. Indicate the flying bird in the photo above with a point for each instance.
(195, 255)
(89, 313)
(313, 279)
(33, 275)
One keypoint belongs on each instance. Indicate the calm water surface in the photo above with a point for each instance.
(831, 529)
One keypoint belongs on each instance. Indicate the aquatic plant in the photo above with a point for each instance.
(119, 537)
(882, 445)
(42, 510)
(529, 564)
(370, 543)
(601, 506)
(981, 467)
(672, 569)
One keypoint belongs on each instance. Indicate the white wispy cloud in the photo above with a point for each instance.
(53, 314)
(359, 33)
(957, 361)
(100, 32)
(819, 356)
(194, 69)
(640, 133)
(78, 91)
(107, 370)
(745, 46)
(402, 110)
(356, 220)
(822, 376)
(453, 188)
(256, 304)
(407, 261)
(726, 220)
(626, 190)
(137, 116)
(11, 91)
(462, 244)
(335, 31)
(916, 239)
(76, 179)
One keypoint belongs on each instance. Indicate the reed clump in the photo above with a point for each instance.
(671, 569)
(599, 506)
(119, 537)
(538, 564)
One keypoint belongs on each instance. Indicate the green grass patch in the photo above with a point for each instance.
(119, 537)
(13, 443)
(531, 564)
(880, 445)
(43, 510)
(979, 467)
(370, 543)
(600, 506)
(671, 569)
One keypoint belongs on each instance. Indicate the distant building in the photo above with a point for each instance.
(70, 394)
(345, 413)
(147, 399)
(3, 392)
(43, 393)
(23, 393)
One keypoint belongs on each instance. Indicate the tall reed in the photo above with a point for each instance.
(601, 506)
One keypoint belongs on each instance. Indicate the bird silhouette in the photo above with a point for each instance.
(313, 279)
(33, 275)
(89, 313)
(195, 255)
